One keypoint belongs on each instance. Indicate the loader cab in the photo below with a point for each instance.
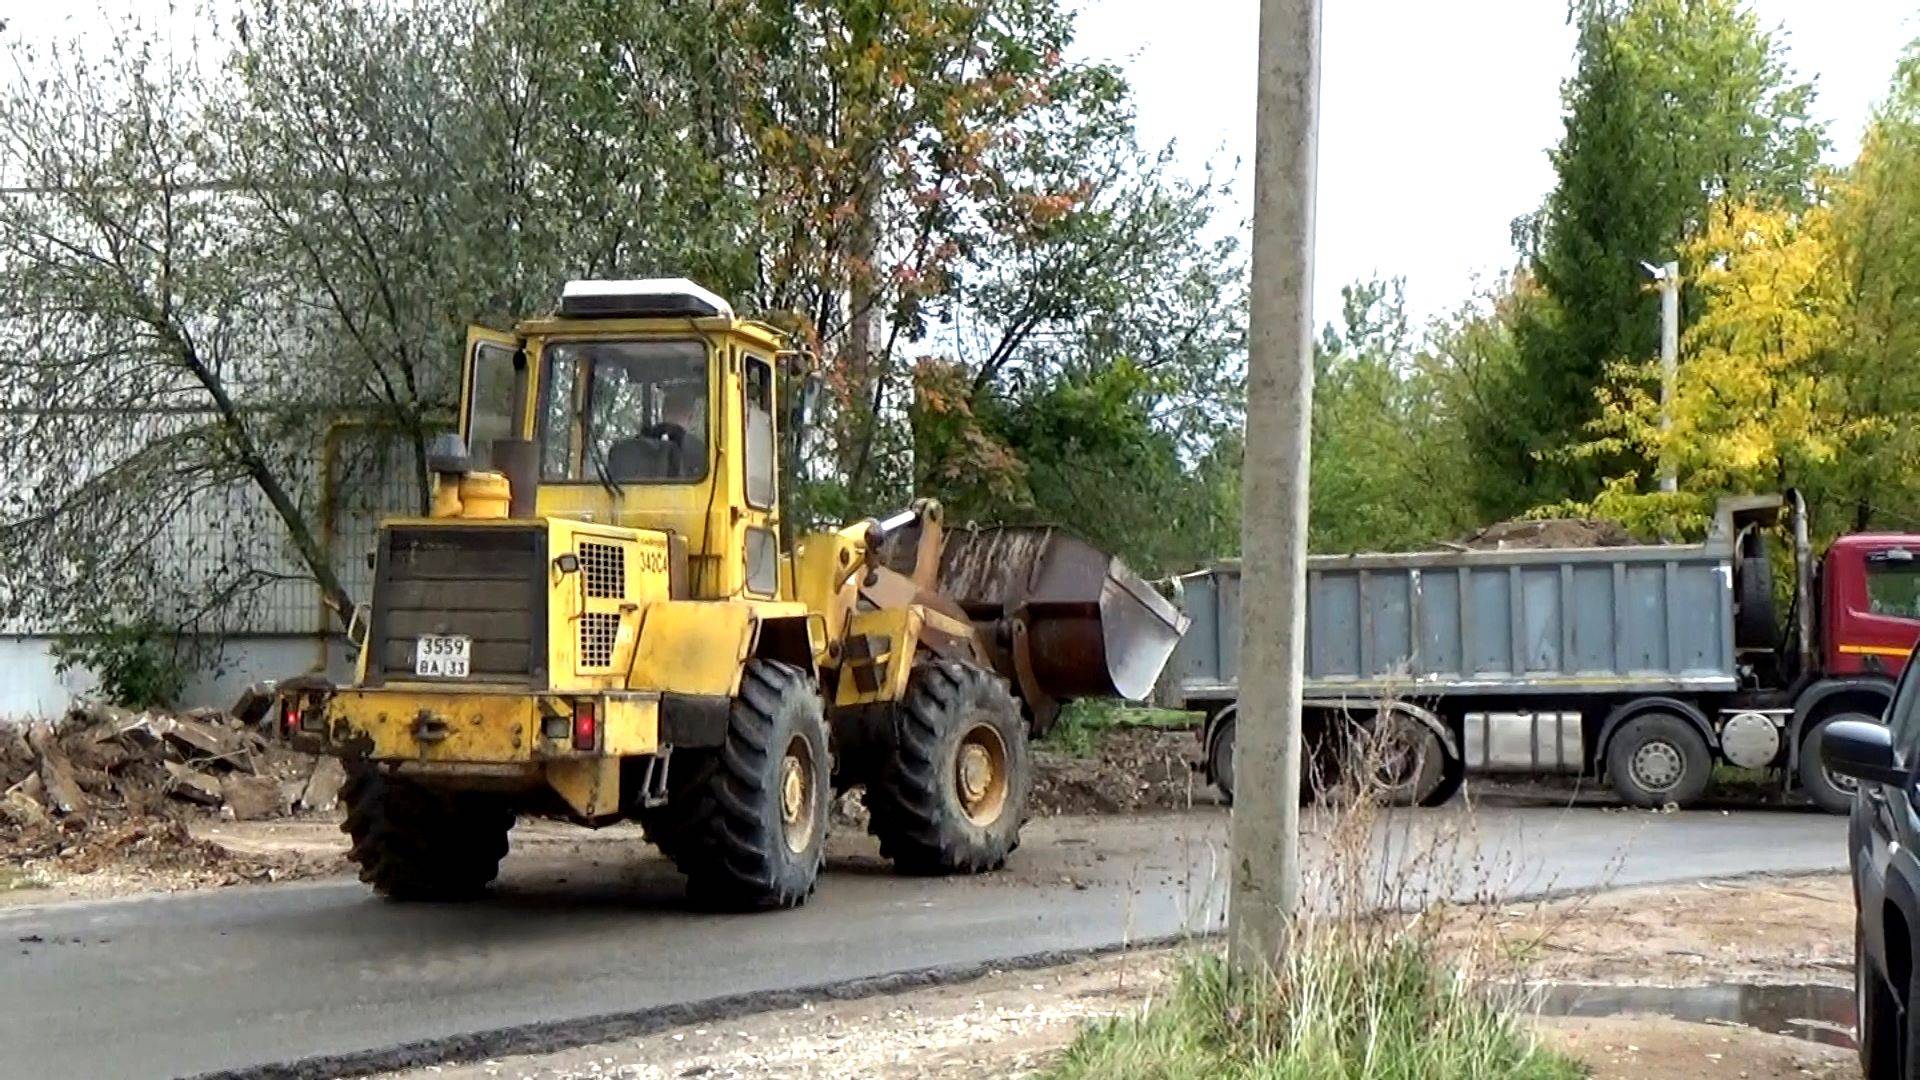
(647, 404)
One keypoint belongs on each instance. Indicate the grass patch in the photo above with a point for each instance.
(11, 880)
(1084, 723)
(1392, 972)
(1731, 782)
(1340, 1009)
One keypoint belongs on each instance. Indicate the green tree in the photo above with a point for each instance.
(1094, 356)
(1796, 369)
(1391, 469)
(1877, 242)
(226, 248)
(1674, 106)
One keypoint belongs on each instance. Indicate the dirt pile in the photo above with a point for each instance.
(104, 787)
(1549, 533)
(1127, 770)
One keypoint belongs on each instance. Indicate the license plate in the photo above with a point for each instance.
(442, 656)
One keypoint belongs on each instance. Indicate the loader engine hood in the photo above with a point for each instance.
(546, 603)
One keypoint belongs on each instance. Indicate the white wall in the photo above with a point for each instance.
(30, 688)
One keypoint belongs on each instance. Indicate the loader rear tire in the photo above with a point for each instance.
(747, 823)
(416, 844)
(952, 793)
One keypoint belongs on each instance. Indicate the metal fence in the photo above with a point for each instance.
(346, 475)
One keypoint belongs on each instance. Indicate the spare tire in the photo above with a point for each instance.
(1754, 623)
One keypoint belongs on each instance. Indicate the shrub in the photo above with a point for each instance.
(140, 664)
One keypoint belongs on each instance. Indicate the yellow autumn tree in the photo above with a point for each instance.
(1754, 406)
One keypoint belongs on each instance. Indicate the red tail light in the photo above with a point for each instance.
(292, 718)
(585, 726)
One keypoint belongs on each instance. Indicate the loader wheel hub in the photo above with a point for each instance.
(980, 773)
(799, 802)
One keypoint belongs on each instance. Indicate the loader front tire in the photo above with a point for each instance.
(412, 843)
(747, 823)
(952, 793)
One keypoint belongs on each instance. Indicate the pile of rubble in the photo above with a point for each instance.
(1548, 533)
(1128, 771)
(102, 779)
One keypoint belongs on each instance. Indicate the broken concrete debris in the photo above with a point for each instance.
(252, 798)
(113, 763)
(321, 793)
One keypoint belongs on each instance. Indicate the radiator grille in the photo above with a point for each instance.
(597, 633)
(605, 567)
(487, 584)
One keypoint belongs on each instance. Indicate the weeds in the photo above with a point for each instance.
(1084, 723)
(1393, 972)
(1335, 1009)
(12, 880)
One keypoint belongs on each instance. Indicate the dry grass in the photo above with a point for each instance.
(1393, 972)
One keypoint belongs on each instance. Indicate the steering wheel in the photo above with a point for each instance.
(665, 429)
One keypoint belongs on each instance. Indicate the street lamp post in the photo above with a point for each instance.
(1667, 277)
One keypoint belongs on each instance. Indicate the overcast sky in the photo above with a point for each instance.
(1435, 116)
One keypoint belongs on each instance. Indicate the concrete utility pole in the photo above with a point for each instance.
(1668, 277)
(1273, 538)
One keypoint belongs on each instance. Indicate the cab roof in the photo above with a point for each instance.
(594, 307)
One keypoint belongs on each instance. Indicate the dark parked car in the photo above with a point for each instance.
(1882, 839)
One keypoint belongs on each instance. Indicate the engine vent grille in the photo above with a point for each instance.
(487, 584)
(605, 566)
(597, 633)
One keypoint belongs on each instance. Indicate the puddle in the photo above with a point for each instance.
(1823, 1014)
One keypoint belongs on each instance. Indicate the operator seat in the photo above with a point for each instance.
(639, 458)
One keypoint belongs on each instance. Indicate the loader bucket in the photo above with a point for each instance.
(1065, 620)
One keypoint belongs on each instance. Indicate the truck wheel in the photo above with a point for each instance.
(952, 793)
(1220, 761)
(1829, 790)
(413, 843)
(1315, 768)
(1409, 761)
(1754, 625)
(747, 823)
(1659, 758)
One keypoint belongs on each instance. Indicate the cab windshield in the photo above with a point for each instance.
(1893, 586)
(625, 412)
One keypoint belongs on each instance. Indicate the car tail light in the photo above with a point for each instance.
(586, 727)
(291, 717)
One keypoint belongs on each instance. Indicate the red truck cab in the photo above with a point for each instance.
(1870, 604)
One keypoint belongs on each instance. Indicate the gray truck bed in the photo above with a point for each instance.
(1485, 623)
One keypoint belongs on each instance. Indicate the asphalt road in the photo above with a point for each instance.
(593, 941)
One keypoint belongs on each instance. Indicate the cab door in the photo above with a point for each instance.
(760, 473)
(493, 392)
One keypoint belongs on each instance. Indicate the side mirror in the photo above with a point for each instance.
(805, 409)
(1862, 750)
(447, 453)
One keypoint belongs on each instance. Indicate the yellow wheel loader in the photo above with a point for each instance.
(600, 622)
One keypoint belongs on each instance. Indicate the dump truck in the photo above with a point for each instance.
(1645, 665)
(601, 620)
